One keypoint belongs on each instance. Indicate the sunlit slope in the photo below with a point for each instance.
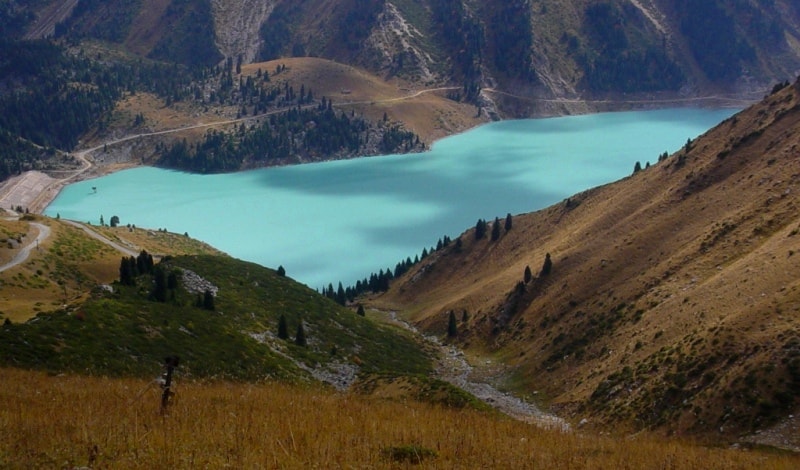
(673, 296)
(63, 268)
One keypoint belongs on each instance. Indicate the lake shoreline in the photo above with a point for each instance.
(340, 220)
(34, 190)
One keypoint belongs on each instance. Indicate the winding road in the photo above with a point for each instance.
(25, 251)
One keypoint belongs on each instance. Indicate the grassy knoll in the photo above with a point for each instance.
(69, 263)
(126, 332)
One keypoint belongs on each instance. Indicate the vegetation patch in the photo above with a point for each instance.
(130, 328)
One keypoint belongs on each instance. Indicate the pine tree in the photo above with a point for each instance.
(547, 266)
(480, 229)
(172, 280)
(300, 337)
(509, 222)
(160, 287)
(452, 326)
(281, 271)
(126, 275)
(496, 229)
(283, 328)
(208, 300)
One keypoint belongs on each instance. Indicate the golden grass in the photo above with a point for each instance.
(429, 115)
(705, 253)
(155, 242)
(67, 421)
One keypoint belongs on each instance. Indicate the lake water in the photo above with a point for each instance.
(342, 220)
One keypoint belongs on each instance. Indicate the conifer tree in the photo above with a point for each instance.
(496, 229)
(528, 274)
(361, 311)
(126, 275)
(208, 300)
(452, 326)
(300, 337)
(547, 266)
(480, 229)
(172, 280)
(281, 271)
(283, 328)
(160, 285)
(509, 221)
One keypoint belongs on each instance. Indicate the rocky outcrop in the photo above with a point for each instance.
(237, 25)
(46, 19)
(392, 39)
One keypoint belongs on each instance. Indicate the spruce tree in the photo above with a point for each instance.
(509, 221)
(160, 287)
(361, 311)
(281, 271)
(283, 328)
(208, 300)
(126, 277)
(480, 229)
(452, 326)
(547, 266)
(172, 280)
(496, 229)
(300, 337)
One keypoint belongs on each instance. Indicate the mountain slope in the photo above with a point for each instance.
(543, 48)
(673, 295)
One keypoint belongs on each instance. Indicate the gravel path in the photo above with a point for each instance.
(452, 367)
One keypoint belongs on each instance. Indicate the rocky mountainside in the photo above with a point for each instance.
(669, 300)
(532, 48)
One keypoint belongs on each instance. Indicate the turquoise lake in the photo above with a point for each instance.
(342, 220)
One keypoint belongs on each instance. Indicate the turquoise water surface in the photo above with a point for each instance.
(342, 220)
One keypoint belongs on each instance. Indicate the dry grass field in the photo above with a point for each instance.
(69, 422)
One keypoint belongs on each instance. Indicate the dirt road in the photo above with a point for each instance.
(22, 255)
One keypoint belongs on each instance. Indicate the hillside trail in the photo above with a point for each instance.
(25, 251)
(453, 367)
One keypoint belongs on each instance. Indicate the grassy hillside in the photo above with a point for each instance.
(72, 421)
(672, 297)
(129, 329)
(69, 263)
